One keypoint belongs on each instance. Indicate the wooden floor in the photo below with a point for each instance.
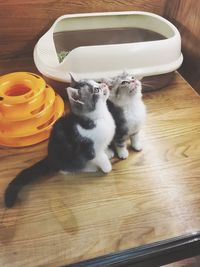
(151, 196)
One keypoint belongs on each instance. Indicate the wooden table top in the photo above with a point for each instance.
(153, 195)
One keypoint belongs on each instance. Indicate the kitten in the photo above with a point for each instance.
(76, 140)
(128, 110)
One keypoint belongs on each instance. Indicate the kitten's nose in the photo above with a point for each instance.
(104, 88)
(134, 83)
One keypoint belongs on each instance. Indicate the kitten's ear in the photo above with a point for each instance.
(107, 81)
(73, 81)
(73, 96)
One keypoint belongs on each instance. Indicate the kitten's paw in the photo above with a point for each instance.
(135, 142)
(106, 168)
(123, 153)
(110, 153)
(137, 147)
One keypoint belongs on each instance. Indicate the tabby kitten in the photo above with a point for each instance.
(77, 140)
(128, 110)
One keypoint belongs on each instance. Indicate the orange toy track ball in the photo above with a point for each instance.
(28, 109)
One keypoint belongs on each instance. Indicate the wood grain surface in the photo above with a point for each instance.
(151, 196)
(185, 14)
(23, 22)
(18, 64)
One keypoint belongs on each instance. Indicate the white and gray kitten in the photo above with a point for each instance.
(128, 110)
(88, 99)
(78, 140)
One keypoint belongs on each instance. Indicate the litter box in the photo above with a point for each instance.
(96, 45)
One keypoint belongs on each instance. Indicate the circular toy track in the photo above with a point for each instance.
(28, 109)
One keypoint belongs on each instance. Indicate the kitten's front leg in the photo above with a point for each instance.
(122, 150)
(102, 161)
(109, 152)
(135, 142)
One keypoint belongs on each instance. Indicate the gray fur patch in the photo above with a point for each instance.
(86, 95)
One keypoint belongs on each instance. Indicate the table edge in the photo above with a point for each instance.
(153, 254)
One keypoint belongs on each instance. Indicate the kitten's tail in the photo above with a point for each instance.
(25, 177)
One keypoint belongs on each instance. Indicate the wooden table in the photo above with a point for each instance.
(153, 195)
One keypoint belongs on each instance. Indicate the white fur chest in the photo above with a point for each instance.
(102, 134)
(135, 114)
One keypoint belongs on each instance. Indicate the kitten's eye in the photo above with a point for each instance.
(124, 82)
(96, 90)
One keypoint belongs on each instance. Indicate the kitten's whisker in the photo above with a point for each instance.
(147, 84)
